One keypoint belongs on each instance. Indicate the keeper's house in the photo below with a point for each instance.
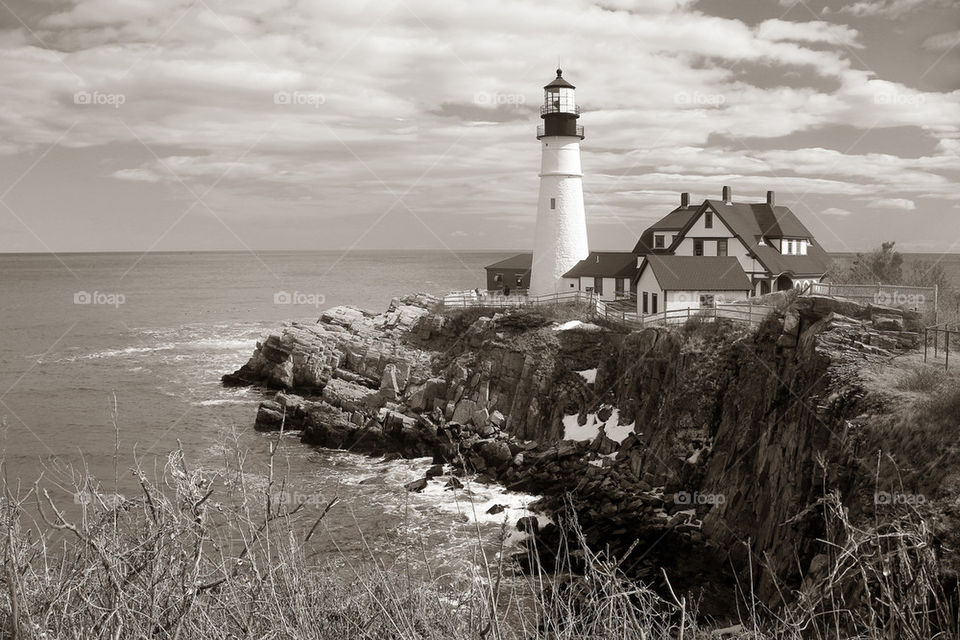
(764, 248)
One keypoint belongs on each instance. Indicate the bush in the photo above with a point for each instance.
(923, 379)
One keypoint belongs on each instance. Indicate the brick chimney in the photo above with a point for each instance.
(771, 198)
(684, 199)
(727, 195)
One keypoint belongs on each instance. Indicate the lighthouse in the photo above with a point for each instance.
(561, 229)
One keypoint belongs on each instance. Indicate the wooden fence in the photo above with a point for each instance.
(922, 299)
(752, 314)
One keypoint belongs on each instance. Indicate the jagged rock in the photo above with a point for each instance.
(435, 470)
(464, 411)
(416, 486)
(269, 416)
(497, 419)
(495, 452)
(528, 524)
(495, 509)
(350, 396)
(389, 388)
(481, 417)
(887, 322)
(453, 483)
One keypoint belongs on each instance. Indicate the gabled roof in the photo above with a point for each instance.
(697, 273)
(607, 264)
(673, 221)
(752, 222)
(519, 261)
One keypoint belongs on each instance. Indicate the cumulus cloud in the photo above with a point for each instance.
(887, 8)
(355, 104)
(812, 31)
(892, 203)
(835, 211)
(942, 41)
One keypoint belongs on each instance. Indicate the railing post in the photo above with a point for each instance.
(946, 350)
(936, 337)
(925, 339)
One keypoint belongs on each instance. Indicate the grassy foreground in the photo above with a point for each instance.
(177, 563)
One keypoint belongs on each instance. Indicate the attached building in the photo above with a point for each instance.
(666, 283)
(609, 274)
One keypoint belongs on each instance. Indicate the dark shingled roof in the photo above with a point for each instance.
(673, 221)
(750, 222)
(519, 261)
(607, 264)
(697, 273)
(559, 81)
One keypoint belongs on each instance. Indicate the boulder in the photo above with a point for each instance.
(528, 524)
(270, 416)
(495, 452)
(350, 396)
(464, 411)
(416, 486)
(887, 322)
(435, 470)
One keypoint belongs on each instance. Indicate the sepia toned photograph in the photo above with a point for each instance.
(507, 320)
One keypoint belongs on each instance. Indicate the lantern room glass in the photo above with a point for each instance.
(559, 100)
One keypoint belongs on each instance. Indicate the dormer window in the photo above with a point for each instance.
(658, 241)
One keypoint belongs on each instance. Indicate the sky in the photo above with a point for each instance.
(163, 125)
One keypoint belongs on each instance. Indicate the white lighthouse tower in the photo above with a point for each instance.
(561, 230)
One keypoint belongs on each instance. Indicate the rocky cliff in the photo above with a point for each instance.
(702, 449)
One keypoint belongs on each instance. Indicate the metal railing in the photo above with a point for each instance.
(751, 314)
(940, 333)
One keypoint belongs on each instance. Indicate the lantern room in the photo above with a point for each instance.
(559, 110)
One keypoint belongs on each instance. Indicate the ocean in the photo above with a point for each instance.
(148, 336)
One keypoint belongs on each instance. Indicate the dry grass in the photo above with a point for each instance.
(177, 563)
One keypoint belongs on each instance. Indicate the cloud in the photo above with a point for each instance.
(892, 203)
(438, 102)
(835, 211)
(942, 41)
(887, 8)
(813, 31)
